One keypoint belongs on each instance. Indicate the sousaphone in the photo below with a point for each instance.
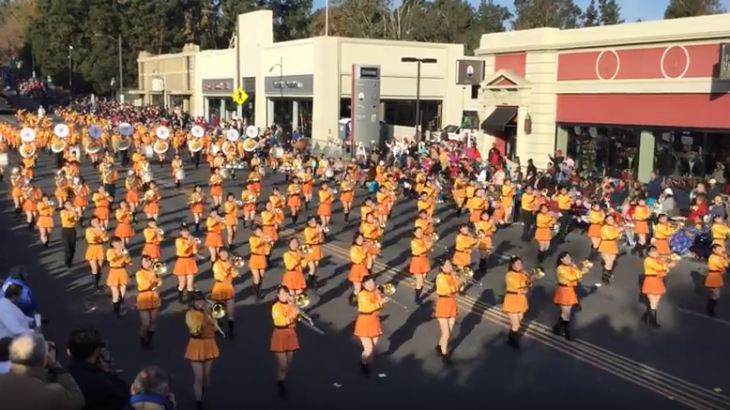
(195, 144)
(161, 145)
(27, 148)
(92, 144)
(59, 143)
(125, 141)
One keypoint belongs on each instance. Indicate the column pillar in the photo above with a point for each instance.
(295, 114)
(647, 142)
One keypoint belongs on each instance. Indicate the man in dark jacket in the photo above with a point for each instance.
(90, 365)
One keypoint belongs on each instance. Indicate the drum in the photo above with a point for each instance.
(179, 174)
(329, 173)
(149, 152)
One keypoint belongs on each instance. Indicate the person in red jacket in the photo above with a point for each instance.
(698, 210)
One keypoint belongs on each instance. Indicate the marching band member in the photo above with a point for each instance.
(425, 223)
(359, 258)
(151, 201)
(544, 222)
(294, 199)
(254, 178)
(259, 244)
(284, 341)
(595, 222)
(507, 200)
(568, 276)
(717, 265)
(81, 194)
(31, 196)
(186, 248)
(176, 165)
(102, 204)
(425, 204)
(484, 230)
(123, 216)
(366, 208)
(95, 236)
(565, 206)
(202, 349)
(324, 210)
(196, 202)
(419, 265)
(69, 219)
(148, 301)
(223, 292)
(446, 309)
(216, 187)
(662, 232)
(293, 277)
(307, 180)
(131, 185)
(152, 239)
(44, 221)
(382, 197)
(313, 238)
(367, 325)
(476, 205)
(62, 188)
(719, 231)
(656, 268)
(458, 191)
(277, 202)
(463, 245)
(116, 280)
(16, 185)
(372, 234)
(347, 195)
(527, 207)
(641, 225)
(214, 236)
(230, 218)
(248, 197)
(271, 216)
(517, 282)
(609, 247)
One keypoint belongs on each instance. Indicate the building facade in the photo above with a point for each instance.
(306, 84)
(637, 96)
(167, 80)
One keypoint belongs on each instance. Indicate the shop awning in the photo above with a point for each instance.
(499, 118)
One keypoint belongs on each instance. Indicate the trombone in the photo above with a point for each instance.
(301, 302)
(466, 277)
(305, 249)
(159, 268)
(388, 290)
(215, 312)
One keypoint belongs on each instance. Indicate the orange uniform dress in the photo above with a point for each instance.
(216, 185)
(326, 198)
(595, 223)
(609, 238)
(147, 284)
(293, 277)
(484, 240)
(223, 274)
(462, 250)
(95, 239)
(425, 225)
(543, 223)
(641, 218)
(132, 196)
(347, 193)
(198, 204)
(31, 197)
(313, 238)
(258, 250)
(476, 205)
(458, 189)
(81, 194)
(284, 337)
(716, 266)
(269, 224)
(367, 323)
(293, 197)
(372, 233)
(214, 236)
(202, 346)
(152, 202)
(662, 232)
(152, 240)
(507, 197)
(124, 223)
(254, 178)
(185, 251)
(719, 234)
(230, 212)
(425, 205)
(567, 278)
(447, 286)
(45, 215)
(419, 257)
(118, 262)
(101, 206)
(358, 257)
(654, 272)
(515, 298)
(248, 197)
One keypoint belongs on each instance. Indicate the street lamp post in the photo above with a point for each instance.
(70, 71)
(418, 62)
(118, 39)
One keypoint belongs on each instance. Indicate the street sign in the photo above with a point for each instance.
(239, 96)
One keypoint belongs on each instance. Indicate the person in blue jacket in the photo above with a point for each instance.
(26, 303)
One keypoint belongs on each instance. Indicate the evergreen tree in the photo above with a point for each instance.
(692, 8)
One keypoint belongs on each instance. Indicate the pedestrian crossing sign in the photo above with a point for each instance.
(239, 96)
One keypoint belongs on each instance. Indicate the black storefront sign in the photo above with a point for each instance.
(724, 61)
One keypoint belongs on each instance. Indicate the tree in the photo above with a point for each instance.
(491, 18)
(291, 18)
(15, 17)
(363, 18)
(337, 24)
(692, 8)
(610, 12)
(445, 21)
(591, 15)
(546, 13)
(229, 11)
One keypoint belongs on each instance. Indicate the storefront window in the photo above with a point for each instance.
(177, 101)
(603, 150)
(282, 112)
(157, 99)
(696, 154)
(305, 117)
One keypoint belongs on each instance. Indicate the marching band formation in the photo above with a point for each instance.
(218, 215)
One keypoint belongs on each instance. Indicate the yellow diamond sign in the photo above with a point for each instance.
(239, 96)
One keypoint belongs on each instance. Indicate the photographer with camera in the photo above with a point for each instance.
(91, 366)
(151, 390)
(36, 381)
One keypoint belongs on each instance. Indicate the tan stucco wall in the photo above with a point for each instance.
(543, 46)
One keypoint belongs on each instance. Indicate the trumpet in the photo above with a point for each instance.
(584, 266)
(159, 268)
(51, 203)
(536, 274)
(435, 221)
(388, 290)
(160, 231)
(434, 237)
(239, 203)
(375, 243)
(674, 257)
(301, 302)
(237, 262)
(305, 249)
(267, 239)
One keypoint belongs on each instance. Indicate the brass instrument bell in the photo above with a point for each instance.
(387, 289)
(197, 241)
(217, 309)
(465, 272)
(375, 243)
(305, 249)
(585, 265)
(302, 301)
(158, 267)
(537, 273)
(435, 221)
(237, 262)
(434, 237)
(239, 203)
(160, 232)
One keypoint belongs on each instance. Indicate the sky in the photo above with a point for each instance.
(631, 10)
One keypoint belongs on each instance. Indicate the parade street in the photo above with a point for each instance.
(615, 360)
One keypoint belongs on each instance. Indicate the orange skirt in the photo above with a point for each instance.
(594, 231)
(419, 265)
(294, 280)
(515, 303)
(102, 213)
(271, 232)
(445, 307)
(315, 255)
(185, 267)
(641, 227)
(201, 350)
(216, 190)
(16, 192)
(231, 220)
(152, 208)
(29, 206)
(714, 280)
(565, 296)
(475, 215)
(79, 202)
(653, 285)
(307, 189)
(44, 222)
(324, 210)
(485, 243)
(461, 259)
(256, 188)
(124, 230)
(132, 197)
(284, 340)
(197, 208)
(368, 325)
(294, 202)
(152, 250)
(543, 235)
(347, 197)
(117, 277)
(257, 262)
(249, 208)
(222, 292)
(357, 271)
(662, 246)
(148, 300)
(94, 253)
(608, 247)
(213, 240)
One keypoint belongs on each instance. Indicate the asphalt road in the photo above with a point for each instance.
(615, 361)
